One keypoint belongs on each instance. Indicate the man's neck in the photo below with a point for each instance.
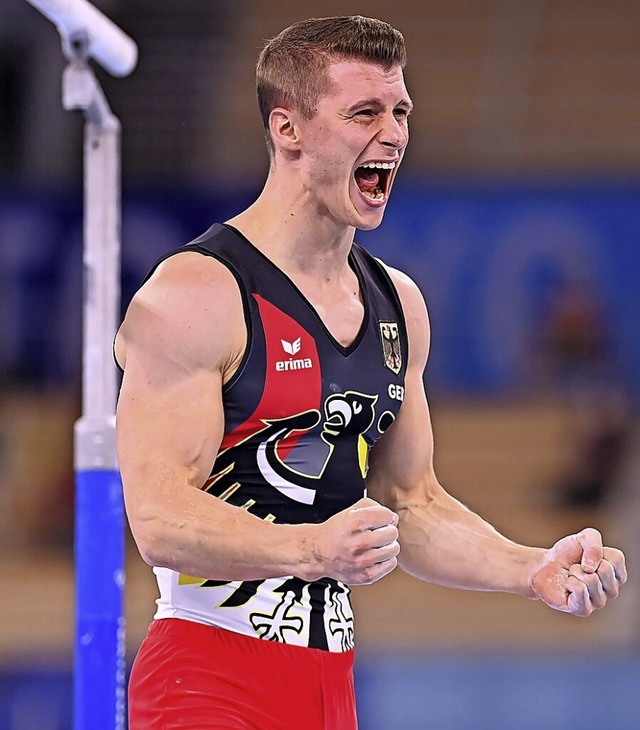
(293, 235)
(312, 251)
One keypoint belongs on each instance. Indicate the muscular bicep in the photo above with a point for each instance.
(169, 418)
(176, 344)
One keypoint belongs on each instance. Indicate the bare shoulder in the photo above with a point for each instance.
(413, 305)
(189, 311)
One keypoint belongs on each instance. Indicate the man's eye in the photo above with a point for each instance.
(365, 113)
(401, 113)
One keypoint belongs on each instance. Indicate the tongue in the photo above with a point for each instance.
(367, 180)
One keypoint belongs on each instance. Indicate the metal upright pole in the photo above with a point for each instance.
(99, 672)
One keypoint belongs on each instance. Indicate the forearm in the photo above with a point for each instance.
(202, 536)
(443, 542)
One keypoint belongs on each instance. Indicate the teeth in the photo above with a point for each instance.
(380, 165)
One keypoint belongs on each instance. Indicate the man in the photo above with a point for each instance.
(273, 379)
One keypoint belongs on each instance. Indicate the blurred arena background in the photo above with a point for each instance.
(517, 211)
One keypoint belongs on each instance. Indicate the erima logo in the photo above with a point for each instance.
(293, 348)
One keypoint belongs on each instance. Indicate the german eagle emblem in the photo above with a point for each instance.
(391, 352)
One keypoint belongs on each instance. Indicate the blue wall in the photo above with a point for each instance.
(499, 693)
(488, 258)
(421, 693)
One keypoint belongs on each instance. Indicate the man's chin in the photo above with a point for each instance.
(369, 226)
(370, 220)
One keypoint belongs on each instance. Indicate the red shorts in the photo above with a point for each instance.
(188, 676)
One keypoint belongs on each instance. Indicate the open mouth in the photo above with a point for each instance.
(373, 179)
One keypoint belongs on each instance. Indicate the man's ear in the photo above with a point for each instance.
(284, 130)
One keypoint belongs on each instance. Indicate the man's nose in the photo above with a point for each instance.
(394, 133)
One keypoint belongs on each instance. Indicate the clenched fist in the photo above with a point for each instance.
(578, 574)
(357, 546)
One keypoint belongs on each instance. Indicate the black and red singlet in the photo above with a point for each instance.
(301, 414)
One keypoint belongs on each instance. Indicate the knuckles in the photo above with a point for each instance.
(369, 575)
(357, 549)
